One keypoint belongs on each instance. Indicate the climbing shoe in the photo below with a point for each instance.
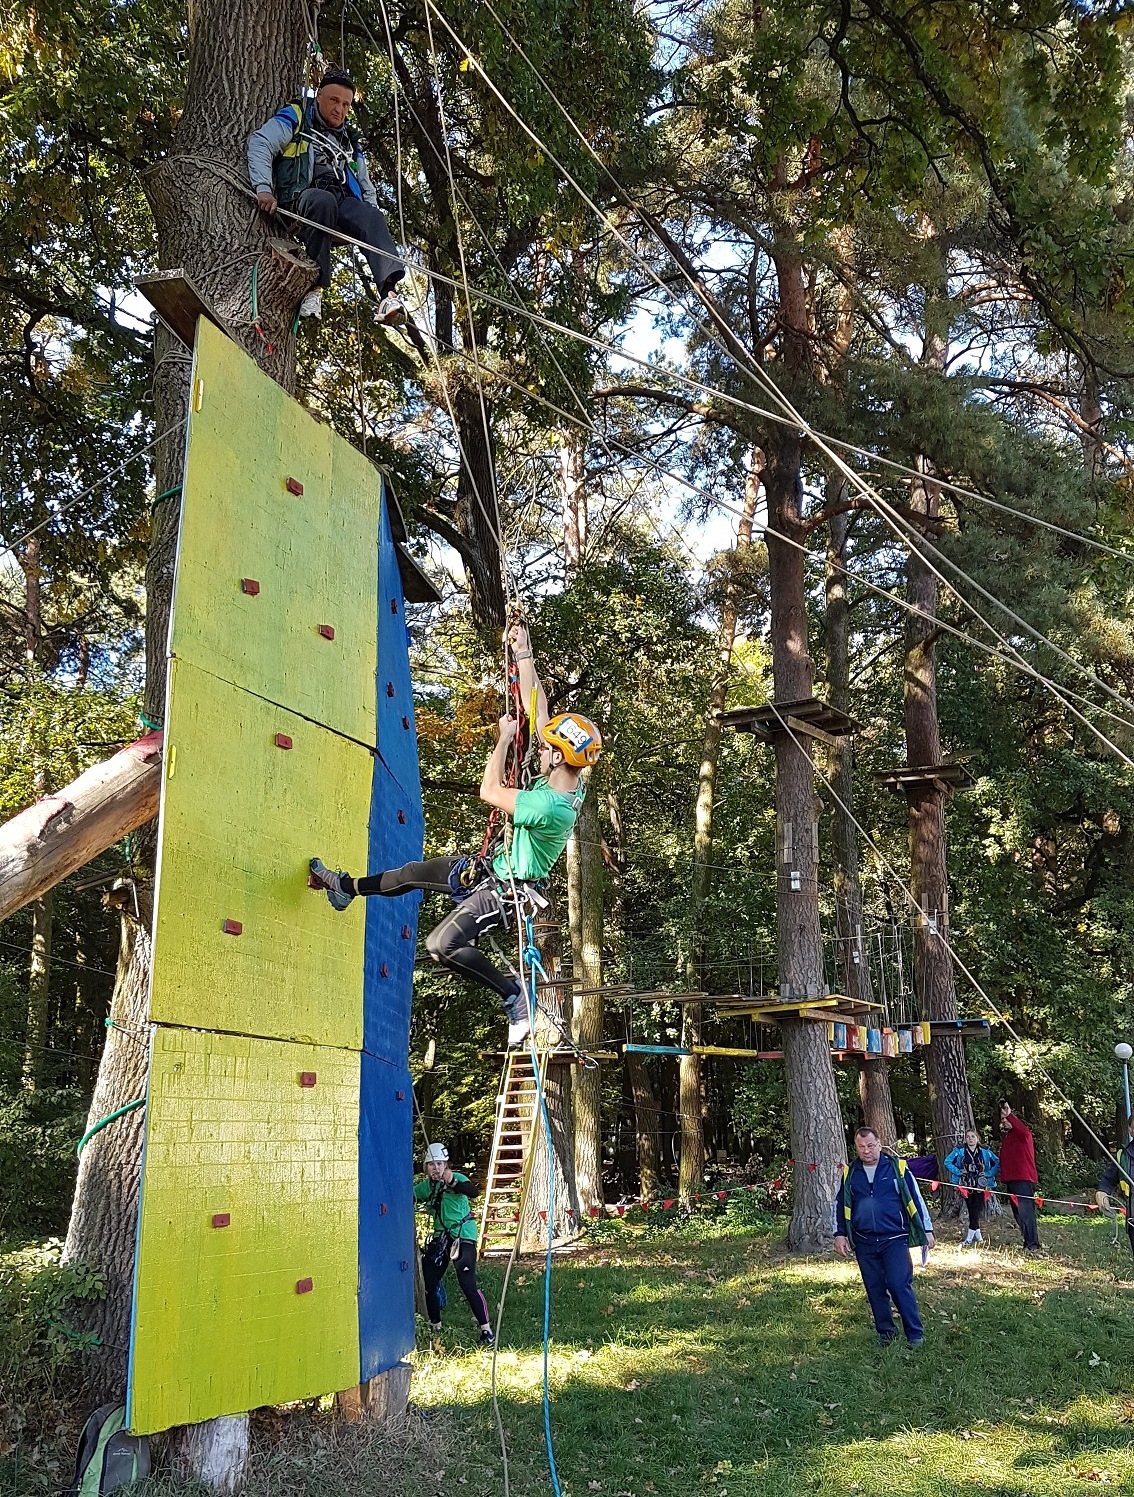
(391, 312)
(518, 1031)
(323, 878)
(312, 304)
(486, 1336)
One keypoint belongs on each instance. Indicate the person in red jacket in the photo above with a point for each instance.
(1018, 1174)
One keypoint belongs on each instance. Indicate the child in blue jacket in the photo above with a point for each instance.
(974, 1169)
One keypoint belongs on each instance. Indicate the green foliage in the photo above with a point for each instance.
(38, 1133)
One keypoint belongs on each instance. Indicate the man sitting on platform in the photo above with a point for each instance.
(308, 159)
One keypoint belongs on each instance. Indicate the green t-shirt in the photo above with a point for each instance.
(452, 1213)
(542, 822)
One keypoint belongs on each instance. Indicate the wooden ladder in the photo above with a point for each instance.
(517, 1113)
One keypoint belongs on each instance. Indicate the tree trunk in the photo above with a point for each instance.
(874, 1072)
(60, 833)
(565, 1224)
(104, 1216)
(584, 891)
(647, 1112)
(39, 984)
(245, 59)
(691, 1101)
(478, 514)
(817, 1140)
(929, 880)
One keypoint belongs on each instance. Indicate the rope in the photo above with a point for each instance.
(104, 1122)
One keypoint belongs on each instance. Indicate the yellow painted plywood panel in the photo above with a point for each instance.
(219, 1324)
(241, 819)
(308, 561)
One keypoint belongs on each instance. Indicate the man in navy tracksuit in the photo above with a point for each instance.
(879, 1212)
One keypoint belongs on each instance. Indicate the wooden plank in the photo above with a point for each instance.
(655, 1050)
(179, 303)
(733, 1051)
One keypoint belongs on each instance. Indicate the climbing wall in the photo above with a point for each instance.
(275, 1240)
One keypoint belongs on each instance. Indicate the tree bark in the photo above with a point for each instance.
(39, 984)
(584, 891)
(874, 1072)
(929, 879)
(647, 1112)
(60, 833)
(245, 59)
(817, 1140)
(478, 514)
(565, 1222)
(691, 1101)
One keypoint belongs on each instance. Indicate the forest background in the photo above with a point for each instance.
(916, 222)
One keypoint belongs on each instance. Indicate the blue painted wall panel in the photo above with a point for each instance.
(391, 924)
(386, 1244)
(397, 734)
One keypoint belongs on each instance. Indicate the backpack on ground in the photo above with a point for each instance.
(109, 1459)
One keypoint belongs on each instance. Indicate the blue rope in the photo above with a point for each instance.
(531, 959)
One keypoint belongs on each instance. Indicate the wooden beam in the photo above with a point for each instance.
(44, 843)
(797, 725)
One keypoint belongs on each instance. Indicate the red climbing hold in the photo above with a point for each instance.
(232, 927)
(384, 969)
(406, 932)
(250, 586)
(283, 741)
(401, 818)
(327, 631)
(307, 1078)
(405, 722)
(304, 1286)
(221, 1219)
(294, 486)
(393, 605)
(382, 1208)
(389, 688)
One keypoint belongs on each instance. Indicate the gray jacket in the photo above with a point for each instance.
(274, 136)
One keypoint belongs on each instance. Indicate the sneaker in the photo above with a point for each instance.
(979, 1242)
(914, 1344)
(486, 1336)
(323, 878)
(391, 312)
(312, 304)
(518, 1031)
(888, 1339)
(434, 1325)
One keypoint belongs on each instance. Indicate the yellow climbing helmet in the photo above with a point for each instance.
(576, 738)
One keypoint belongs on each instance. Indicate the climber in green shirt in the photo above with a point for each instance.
(543, 816)
(446, 1194)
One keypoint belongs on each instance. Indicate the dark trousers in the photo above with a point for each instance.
(975, 1204)
(453, 940)
(358, 219)
(887, 1274)
(1024, 1209)
(434, 1264)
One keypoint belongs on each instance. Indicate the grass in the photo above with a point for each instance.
(700, 1359)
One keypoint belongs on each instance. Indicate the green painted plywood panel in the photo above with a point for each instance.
(241, 818)
(307, 562)
(247, 1260)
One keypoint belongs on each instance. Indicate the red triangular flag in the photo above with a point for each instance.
(987, 1193)
(1039, 1200)
(622, 1210)
(963, 1189)
(645, 1205)
(811, 1166)
(934, 1185)
(1015, 1200)
(593, 1211)
(667, 1204)
(721, 1194)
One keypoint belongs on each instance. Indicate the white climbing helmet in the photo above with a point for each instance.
(436, 1154)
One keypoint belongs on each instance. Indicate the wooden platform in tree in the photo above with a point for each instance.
(811, 717)
(948, 776)
(968, 1029)
(833, 1007)
(178, 303)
